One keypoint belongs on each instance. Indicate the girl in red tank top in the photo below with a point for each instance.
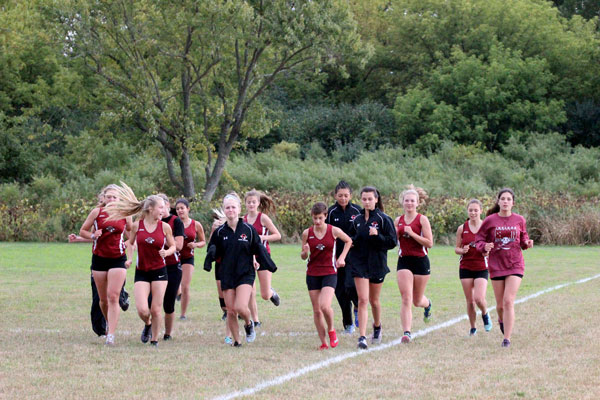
(155, 242)
(193, 229)
(258, 205)
(473, 267)
(318, 245)
(108, 257)
(415, 237)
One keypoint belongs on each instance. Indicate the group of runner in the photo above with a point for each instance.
(346, 249)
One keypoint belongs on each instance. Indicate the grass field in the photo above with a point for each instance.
(48, 350)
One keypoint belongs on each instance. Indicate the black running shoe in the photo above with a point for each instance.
(376, 338)
(275, 298)
(146, 333)
(487, 322)
(362, 343)
(178, 297)
(124, 300)
(154, 343)
(427, 313)
(167, 337)
(250, 332)
(501, 325)
(224, 317)
(257, 324)
(473, 332)
(236, 344)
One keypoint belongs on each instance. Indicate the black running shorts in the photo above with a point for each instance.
(319, 282)
(104, 263)
(151, 276)
(464, 273)
(416, 265)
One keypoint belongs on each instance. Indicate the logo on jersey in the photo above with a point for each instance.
(336, 219)
(375, 225)
(320, 246)
(243, 238)
(111, 229)
(149, 240)
(352, 218)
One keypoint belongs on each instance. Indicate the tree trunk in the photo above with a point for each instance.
(189, 191)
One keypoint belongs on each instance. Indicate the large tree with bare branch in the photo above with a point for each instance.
(190, 74)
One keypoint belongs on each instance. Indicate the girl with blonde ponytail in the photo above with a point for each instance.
(151, 235)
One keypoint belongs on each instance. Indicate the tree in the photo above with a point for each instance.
(190, 74)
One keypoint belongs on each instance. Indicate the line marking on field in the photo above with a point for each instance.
(334, 360)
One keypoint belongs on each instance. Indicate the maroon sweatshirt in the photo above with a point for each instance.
(509, 235)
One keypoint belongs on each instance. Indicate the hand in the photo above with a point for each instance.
(529, 243)
(466, 249)
(341, 262)
(256, 265)
(72, 237)
(373, 231)
(191, 245)
(97, 234)
(305, 248)
(408, 230)
(162, 252)
(262, 237)
(488, 247)
(128, 264)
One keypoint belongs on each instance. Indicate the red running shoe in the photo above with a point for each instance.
(323, 347)
(333, 340)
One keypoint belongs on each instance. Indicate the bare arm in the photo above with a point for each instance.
(459, 249)
(427, 238)
(305, 246)
(131, 243)
(274, 234)
(339, 234)
(201, 238)
(86, 229)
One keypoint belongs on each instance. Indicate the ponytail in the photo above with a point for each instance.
(265, 203)
(128, 205)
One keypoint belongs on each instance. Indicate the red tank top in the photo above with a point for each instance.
(189, 236)
(110, 244)
(261, 229)
(173, 258)
(473, 260)
(408, 245)
(149, 244)
(322, 253)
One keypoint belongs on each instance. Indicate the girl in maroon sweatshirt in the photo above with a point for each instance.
(504, 235)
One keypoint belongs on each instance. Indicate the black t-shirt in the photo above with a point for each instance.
(178, 228)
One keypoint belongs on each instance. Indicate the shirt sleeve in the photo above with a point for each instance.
(211, 252)
(386, 238)
(178, 228)
(524, 235)
(482, 235)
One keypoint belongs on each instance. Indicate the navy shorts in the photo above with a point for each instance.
(152, 275)
(105, 263)
(188, 260)
(319, 282)
(501, 278)
(416, 265)
(464, 273)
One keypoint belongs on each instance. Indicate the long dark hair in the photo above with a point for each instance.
(373, 189)
(496, 207)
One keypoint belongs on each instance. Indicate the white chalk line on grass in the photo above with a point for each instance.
(337, 359)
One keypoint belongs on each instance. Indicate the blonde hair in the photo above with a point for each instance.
(233, 196)
(128, 205)
(421, 194)
(101, 202)
(265, 203)
(164, 197)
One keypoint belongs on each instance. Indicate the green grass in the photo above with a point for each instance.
(48, 349)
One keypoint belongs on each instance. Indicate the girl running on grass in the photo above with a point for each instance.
(258, 206)
(321, 272)
(473, 271)
(237, 244)
(109, 268)
(503, 234)
(413, 270)
(372, 233)
(151, 236)
(341, 215)
(192, 230)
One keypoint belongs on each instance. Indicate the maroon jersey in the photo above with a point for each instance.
(149, 244)
(173, 258)
(261, 229)
(189, 236)
(408, 245)
(322, 253)
(110, 244)
(473, 260)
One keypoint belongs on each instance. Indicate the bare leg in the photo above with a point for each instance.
(362, 288)
(158, 294)
(405, 285)
(325, 298)
(186, 280)
(374, 291)
(318, 314)
(467, 285)
(511, 286)
(115, 278)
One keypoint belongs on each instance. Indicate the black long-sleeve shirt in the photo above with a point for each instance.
(236, 251)
(371, 250)
(342, 218)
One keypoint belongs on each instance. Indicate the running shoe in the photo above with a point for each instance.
(356, 317)
(257, 324)
(427, 312)
(154, 343)
(228, 340)
(124, 300)
(250, 332)
(167, 337)
(406, 338)
(349, 329)
(178, 297)
(183, 318)
(323, 347)
(224, 317)
(473, 332)
(275, 298)
(501, 325)
(333, 340)
(236, 344)
(376, 338)
(505, 343)
(146, 333)
(110, 340)
(487, 322)
(362, 343)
